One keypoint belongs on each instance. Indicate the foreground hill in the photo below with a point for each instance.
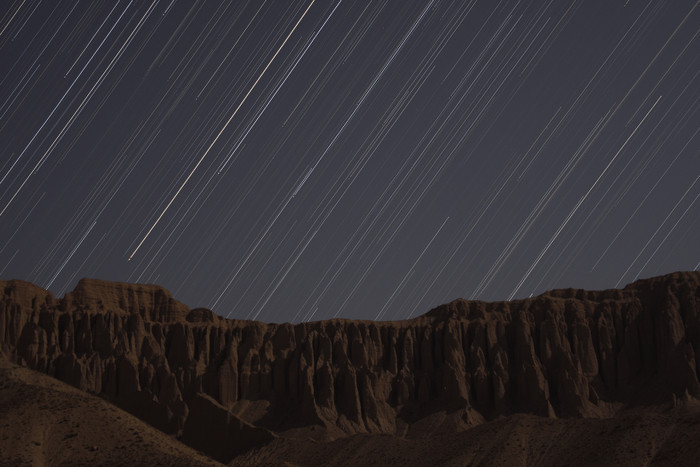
(457, 376)
(661, 435)
(46, 422)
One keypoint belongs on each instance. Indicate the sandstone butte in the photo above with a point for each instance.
(229, 387)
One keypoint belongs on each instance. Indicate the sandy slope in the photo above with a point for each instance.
(46, 422)
(662, 435)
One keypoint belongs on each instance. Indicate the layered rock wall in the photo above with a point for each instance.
(565, 353)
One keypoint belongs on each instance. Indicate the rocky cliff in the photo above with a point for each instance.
(224, 386)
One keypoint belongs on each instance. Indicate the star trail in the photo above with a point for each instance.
(304, 160)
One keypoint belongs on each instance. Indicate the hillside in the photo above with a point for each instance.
(46, 422)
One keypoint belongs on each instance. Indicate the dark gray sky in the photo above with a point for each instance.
(296, 160)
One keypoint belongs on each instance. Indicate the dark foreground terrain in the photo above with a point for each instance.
(569, 377)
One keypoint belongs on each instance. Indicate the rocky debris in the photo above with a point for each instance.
(566, 353)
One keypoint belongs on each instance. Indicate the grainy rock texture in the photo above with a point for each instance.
(566, 353)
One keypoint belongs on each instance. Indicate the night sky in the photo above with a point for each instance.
(295, 160)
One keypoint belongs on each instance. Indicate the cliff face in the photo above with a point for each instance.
(566, 353)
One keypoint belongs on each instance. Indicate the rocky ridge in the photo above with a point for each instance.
(226, 386)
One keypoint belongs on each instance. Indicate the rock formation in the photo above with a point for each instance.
(214, 382)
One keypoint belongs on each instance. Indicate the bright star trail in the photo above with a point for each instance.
(303, 160)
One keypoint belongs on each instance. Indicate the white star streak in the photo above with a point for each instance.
(659, 228)
(648, 193)
(583, 198)
(220, 132)
(13, 17)
(366, 93)
(680, 218)
(38, 164)
(278, 87)
(295, 161)
(70, 255)
(8, 263)
(410, 271)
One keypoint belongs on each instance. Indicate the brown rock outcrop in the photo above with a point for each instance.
(566, 353)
